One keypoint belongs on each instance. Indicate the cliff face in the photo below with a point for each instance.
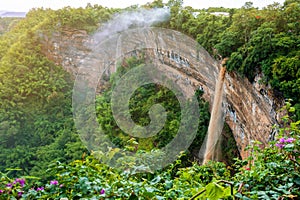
(250, 108)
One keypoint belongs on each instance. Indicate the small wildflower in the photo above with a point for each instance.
(40, 189)
(279, 145)
(61, 185)
(20, 181)
(9, 185)
(248, 168)
(1, 191)
(102, 191)
(54, 182)
(290, 140)
(20, 194)
(282, 140)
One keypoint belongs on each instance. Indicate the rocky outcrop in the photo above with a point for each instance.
(250, 108)
(251, 113)
(66, 48)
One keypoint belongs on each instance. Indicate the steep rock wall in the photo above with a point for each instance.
(250, 108)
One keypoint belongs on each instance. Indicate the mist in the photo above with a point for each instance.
(131, 19)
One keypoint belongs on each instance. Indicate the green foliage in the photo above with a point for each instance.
(228, 146)
(90, 179)
(139, 105)
(35, 99)
(286, 74)
(214, 191)
(255, 40)
(268, 173)
(272, 172)
(7, 23)
(36, 123)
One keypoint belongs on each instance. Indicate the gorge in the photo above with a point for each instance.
(250, 108)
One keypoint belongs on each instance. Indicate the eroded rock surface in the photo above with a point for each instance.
(250, 108)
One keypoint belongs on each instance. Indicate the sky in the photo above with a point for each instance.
(25, 5)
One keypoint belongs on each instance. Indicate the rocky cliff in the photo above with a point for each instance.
(250, 108)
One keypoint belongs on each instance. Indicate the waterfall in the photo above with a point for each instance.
(212, 150)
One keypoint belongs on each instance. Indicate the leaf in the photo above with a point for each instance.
(150, 189)
(155, 180)
(168, 184)
(159, 197)
(263, 195)
(292, 109)
(297, 180)
(240, 196)
(289, 146)
(227, 192)
(31, 177)
(13, 169)
(214, 191)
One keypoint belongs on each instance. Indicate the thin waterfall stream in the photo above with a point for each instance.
(212, 150)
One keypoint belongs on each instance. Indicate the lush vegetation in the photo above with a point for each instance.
(139, 105)
(36, 122)
(41, 155)
(270, 173)
(7, 23)
(257, 41)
